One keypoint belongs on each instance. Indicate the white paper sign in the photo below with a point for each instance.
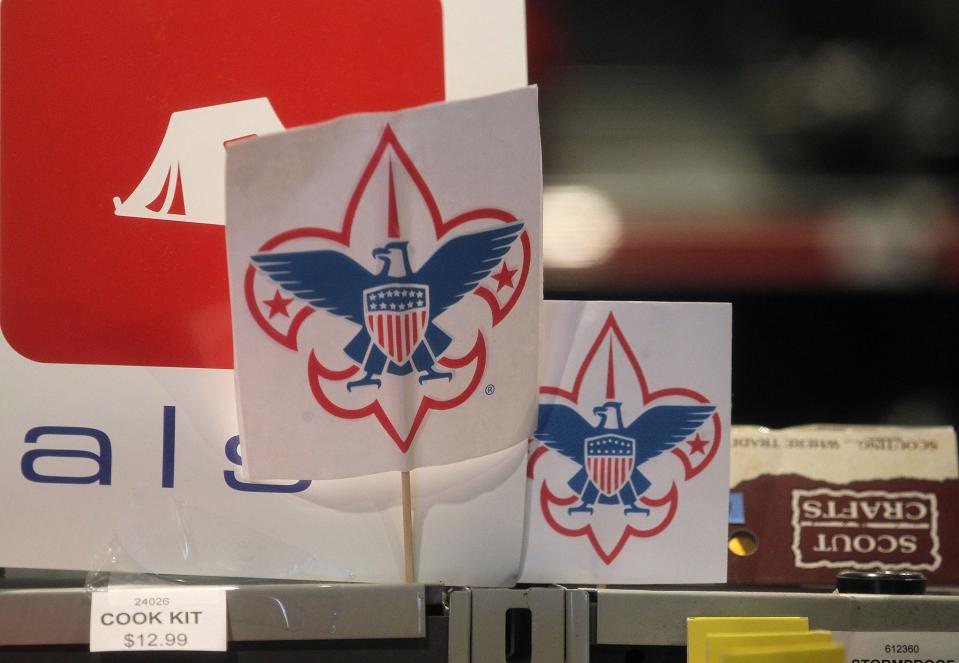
(168, 496)
(385, 287)
(629, 469)
(134, 468)
(158, 618)
(899, 646)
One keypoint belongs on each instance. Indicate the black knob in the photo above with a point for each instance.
(881, 582)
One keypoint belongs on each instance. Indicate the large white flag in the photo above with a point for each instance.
(629, 465)
(385, 286)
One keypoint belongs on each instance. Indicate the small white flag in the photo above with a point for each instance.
(629, 464)
(385, 284)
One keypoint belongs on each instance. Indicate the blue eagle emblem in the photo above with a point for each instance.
(395, 308)
(609, 453)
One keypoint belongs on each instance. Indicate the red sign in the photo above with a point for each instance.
(113, 120)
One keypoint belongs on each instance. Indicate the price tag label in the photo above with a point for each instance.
(158, 618)
(899, 646)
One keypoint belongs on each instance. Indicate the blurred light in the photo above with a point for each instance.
(843, 80)
(891, 240)
(581, 227)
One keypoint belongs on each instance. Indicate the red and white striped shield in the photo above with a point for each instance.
(396, 316)
(609, 461)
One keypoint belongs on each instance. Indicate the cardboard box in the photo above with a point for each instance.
(818, 500)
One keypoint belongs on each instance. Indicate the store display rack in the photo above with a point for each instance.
(45, 617)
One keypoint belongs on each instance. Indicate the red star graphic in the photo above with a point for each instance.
(698, 445)
(504, 277)
(278, 304)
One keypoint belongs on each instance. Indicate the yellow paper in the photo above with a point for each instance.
(697, 628)
(718, 644)
(822, 653)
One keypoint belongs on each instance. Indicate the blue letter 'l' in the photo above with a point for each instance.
(169, 445)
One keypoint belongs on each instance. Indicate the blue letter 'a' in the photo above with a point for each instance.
(233, 455)
(103, 459)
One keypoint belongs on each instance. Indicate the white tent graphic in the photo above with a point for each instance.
(185, 180)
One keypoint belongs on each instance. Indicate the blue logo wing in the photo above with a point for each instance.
(661, 428)
(327, 280)
(458, 266)
(563, 429)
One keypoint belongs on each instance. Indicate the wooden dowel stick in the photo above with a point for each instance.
(409, 574)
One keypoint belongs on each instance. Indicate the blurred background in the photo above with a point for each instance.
(798, 159)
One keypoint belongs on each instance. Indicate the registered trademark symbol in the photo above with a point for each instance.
(490, 389)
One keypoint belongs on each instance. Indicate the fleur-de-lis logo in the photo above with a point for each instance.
(386, 294)
(605, 428)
